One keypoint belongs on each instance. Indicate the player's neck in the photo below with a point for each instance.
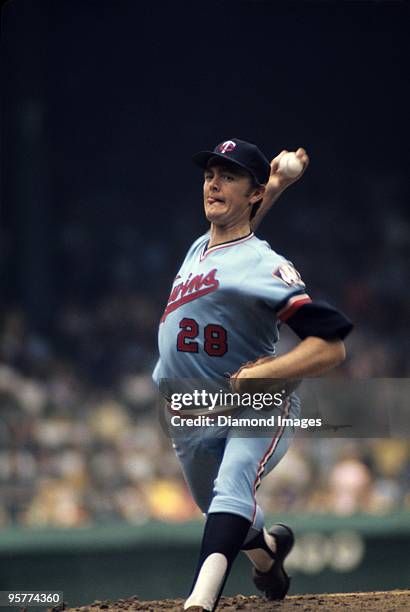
(223, 233)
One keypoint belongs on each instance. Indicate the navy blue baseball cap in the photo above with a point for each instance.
(238, 152)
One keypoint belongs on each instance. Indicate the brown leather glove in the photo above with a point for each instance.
(261, 385)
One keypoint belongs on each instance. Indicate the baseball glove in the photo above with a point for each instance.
(261, 385)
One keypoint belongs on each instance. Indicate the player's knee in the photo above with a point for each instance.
(240, 466)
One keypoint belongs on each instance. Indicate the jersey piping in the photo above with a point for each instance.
(224, 245)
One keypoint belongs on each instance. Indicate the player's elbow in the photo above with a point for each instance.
(327, 353)
(336, 352)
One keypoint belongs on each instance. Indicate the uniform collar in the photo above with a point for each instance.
(223, 245)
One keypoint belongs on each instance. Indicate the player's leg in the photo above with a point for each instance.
(259, 544)
(231, 513)
(200, 457)
(267, 549)
(246, 460)
(200, 454)
(270, 551)
(221, 543)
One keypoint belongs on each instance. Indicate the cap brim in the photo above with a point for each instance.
(202, 158)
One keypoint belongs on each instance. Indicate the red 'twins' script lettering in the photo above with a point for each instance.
(193, 288)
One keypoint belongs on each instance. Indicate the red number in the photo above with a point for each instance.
(215, 340)
(189, 330)
(215, 343)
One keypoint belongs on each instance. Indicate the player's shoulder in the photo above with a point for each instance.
(263, 252)
(268, 262)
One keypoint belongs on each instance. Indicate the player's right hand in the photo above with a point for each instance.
(277, 181)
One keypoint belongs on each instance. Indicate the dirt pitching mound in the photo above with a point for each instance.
(386, 601)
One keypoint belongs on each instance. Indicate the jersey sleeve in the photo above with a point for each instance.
(280, 286)
(276, 281)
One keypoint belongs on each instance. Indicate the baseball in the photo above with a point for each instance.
(290, 165)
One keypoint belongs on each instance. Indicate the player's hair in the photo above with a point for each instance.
(257, 205)
(255, 209)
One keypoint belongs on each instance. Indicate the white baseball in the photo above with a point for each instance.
(290, 165)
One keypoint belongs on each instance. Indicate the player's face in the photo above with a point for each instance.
(228, 195)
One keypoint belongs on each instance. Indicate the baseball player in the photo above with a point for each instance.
(227, 302)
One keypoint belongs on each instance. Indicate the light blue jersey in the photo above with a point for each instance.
(224, 308)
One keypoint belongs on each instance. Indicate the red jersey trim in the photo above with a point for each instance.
(217, 247)
(292, 306)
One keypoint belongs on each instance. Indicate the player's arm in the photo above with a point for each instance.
(321, 328)
(313, 356)
(277, 184)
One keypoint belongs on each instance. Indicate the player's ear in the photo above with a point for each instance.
(257, 194)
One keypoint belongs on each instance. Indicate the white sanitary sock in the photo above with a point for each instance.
(260, 558)
(209, 582)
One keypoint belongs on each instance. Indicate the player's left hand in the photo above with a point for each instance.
(278, 182)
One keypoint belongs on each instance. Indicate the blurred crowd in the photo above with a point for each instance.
(81, 439)
(100, 203)
(80, 435)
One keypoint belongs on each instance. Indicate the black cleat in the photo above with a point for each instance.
(275, 583)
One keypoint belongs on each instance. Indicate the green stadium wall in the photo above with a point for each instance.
(156, 560)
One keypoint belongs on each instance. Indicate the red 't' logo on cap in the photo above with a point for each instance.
(227, 146)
